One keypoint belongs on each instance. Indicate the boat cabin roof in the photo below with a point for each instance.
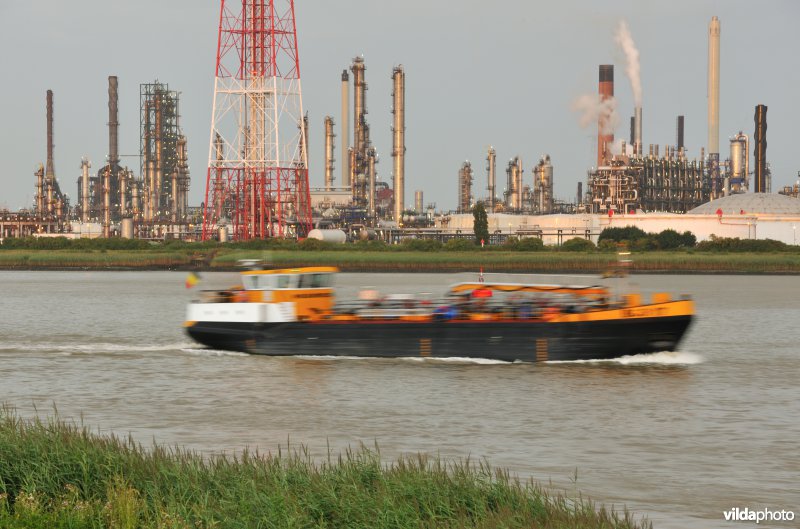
(578, 290)
(289, 278)
(294, 271)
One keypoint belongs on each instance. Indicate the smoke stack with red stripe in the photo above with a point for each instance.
(605, 134)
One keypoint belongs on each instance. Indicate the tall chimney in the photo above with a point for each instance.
(637, 131)
(713, 86)
(606, 91)
(399, 139)
(633, 130)
(50, 169)
(679, 133)
(329, 148)
(760, 150)
(113, 122)
(345, 128)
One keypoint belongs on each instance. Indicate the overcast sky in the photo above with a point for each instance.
(502, 73)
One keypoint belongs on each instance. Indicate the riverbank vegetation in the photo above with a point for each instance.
(59, 475)
(667, 251)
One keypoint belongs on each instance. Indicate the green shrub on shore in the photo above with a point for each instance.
(525, 244)
(639, 240)
(578, 244)
(725, 244)
(56, 474)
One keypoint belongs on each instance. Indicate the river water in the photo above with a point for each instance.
(676, 437)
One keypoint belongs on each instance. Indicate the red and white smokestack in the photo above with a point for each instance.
(606, 91)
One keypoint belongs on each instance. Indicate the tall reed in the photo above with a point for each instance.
(57, 474)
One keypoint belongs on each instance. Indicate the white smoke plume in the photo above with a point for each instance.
(616, 148)
(594, 109)
(623, 38)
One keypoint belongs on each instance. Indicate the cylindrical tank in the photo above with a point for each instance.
(337, 236)
(223, 234)
(127, 228)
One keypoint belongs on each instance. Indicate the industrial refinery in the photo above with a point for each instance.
(257, 179)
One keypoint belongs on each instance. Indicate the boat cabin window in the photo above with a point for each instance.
(269, 282)
(321, 280)
(250, 282)
(286, 281)
(315, 280)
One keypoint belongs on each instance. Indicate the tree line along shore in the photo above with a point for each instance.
(666, 252)
(58, 474)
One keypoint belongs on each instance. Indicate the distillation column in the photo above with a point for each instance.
(85, 165)
(359, 130)
(399, 136)
(346, 130)
(543, 186)
(113, 145)
(329, 149)
(465, 187)
(491, 170)
(50, 174)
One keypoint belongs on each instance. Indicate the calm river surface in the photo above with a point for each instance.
(677, 437)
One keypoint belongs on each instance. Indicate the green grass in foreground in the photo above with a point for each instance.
(56, 474)
(353, 260)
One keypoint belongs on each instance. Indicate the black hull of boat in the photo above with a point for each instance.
(527, 341)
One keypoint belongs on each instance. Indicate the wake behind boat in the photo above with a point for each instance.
(294, 312)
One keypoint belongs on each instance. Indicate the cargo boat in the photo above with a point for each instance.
(294, 312)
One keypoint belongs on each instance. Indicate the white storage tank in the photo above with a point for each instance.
(337, 236)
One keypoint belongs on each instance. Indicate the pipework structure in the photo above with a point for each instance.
(465, 188)
(543, 186)
(163, 157)
(399, 139)
(671, 183)
(257, 180)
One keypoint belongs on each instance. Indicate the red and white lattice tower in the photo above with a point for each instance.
(257, 183)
